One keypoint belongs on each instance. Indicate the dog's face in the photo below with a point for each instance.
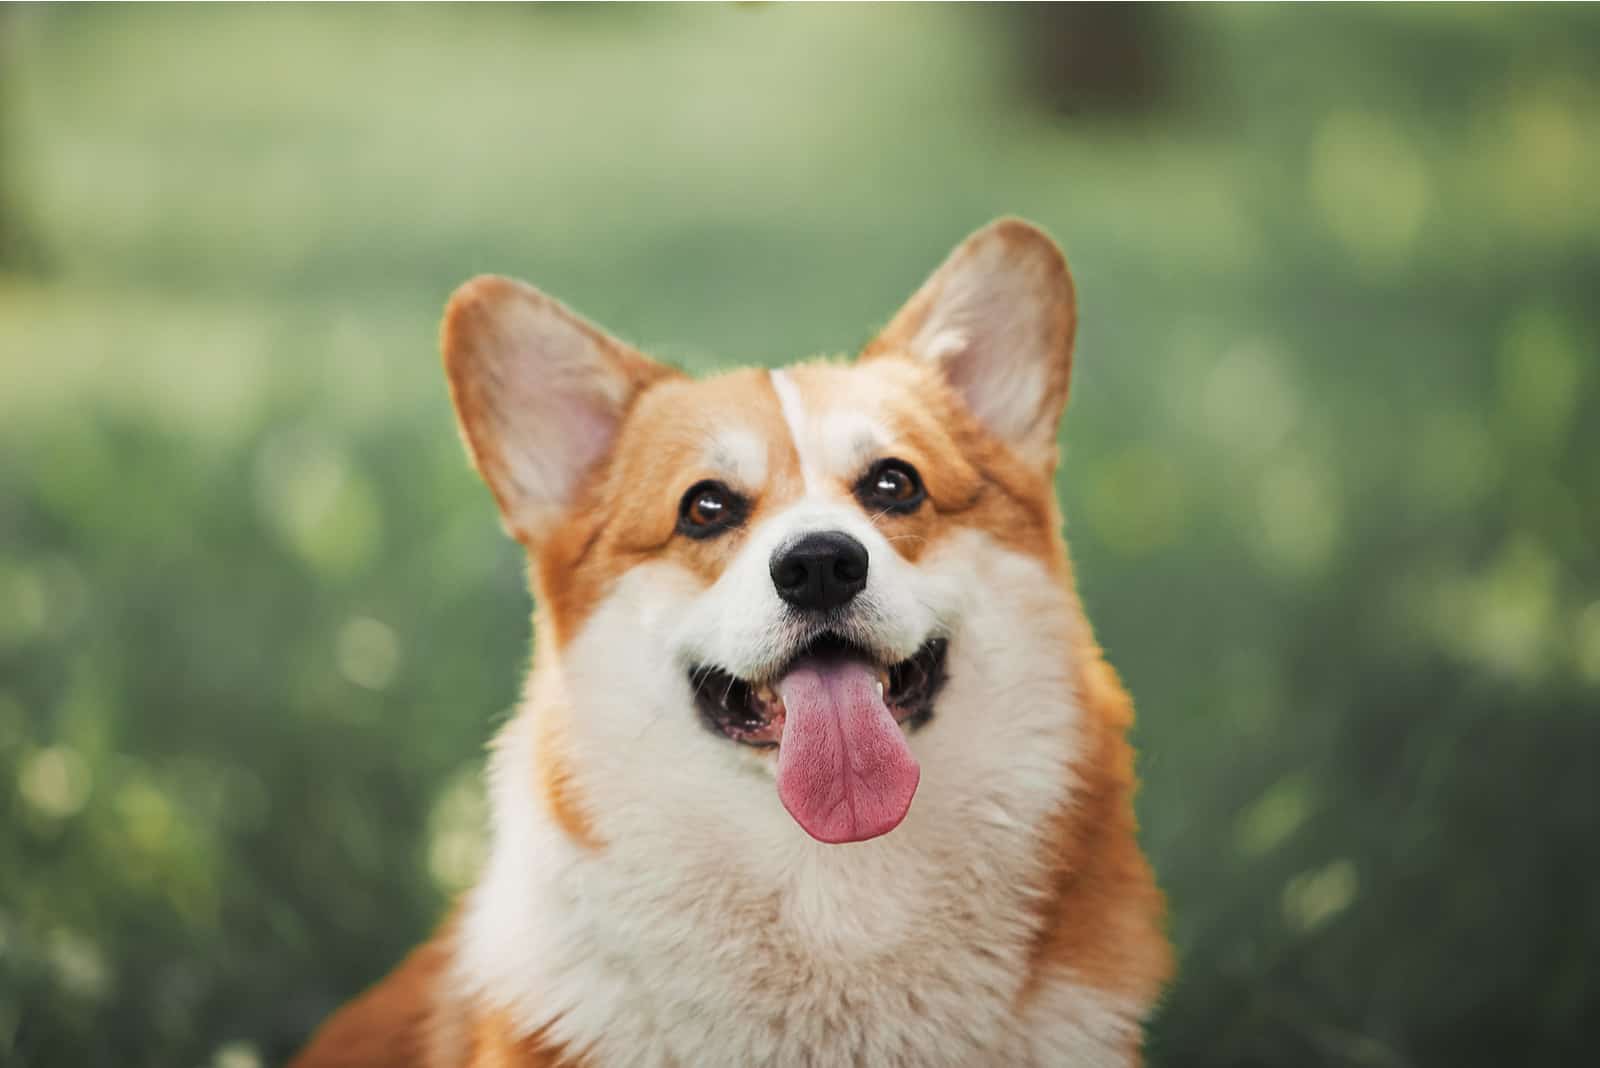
(771, 569)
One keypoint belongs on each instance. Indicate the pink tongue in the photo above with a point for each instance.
(845, 772)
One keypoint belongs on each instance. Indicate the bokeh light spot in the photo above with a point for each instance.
(1541, 155)
(80, 968)
(237, 1054)
(318, 503)
(1300, 516)
(146, 814)
(458, 831)
(1274, 816)
(1250, 402)
(55, 781)
(1502, 618)
(1313, 898)
(1371, 185)
(368, 652)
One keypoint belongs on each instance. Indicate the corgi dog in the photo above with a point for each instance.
(818, 762)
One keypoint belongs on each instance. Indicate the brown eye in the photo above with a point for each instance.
(891, 485)
(709, 508)
(894, 484)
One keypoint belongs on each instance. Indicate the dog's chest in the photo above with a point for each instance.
(832, 968)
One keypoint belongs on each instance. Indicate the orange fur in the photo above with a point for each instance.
(557, 781)
(399, 1022)
(1101, 912)
(495, 1044)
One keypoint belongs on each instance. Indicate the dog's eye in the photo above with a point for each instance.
(891, 485)
(709, 508)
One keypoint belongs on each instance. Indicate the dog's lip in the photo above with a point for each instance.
(752, 712)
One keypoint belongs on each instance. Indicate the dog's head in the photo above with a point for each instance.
(785, 575)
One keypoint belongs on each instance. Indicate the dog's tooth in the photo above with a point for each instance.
(880, 689)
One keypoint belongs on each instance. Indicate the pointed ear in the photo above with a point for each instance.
(539, 392)
(997, 318)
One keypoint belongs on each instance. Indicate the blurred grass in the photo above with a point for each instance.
(1329, 481)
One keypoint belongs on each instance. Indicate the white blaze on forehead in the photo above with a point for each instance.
(794, 415)
(839, 443)
(739, 453)
(847, 440)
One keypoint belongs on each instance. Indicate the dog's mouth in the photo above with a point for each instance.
(753, 713)
(838, 717)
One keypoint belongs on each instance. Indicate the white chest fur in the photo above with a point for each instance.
(886, 954)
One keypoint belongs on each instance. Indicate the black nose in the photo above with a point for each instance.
(820, 571)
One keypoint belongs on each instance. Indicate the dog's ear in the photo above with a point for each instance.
(539, 392)
(997, 318)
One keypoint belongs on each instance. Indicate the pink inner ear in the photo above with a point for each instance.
(963, 368)
(998, 356)
(540, 393)
(587, 434)
(997, 319)
(553, 425)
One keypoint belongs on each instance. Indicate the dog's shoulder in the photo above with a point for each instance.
(416, 1018)
(396, 1022)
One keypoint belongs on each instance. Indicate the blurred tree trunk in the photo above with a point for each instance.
(16, 251)
(1086, 59)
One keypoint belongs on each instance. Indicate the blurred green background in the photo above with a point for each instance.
(1331, 475)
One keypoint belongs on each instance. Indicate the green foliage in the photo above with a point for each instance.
(1326, 480)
